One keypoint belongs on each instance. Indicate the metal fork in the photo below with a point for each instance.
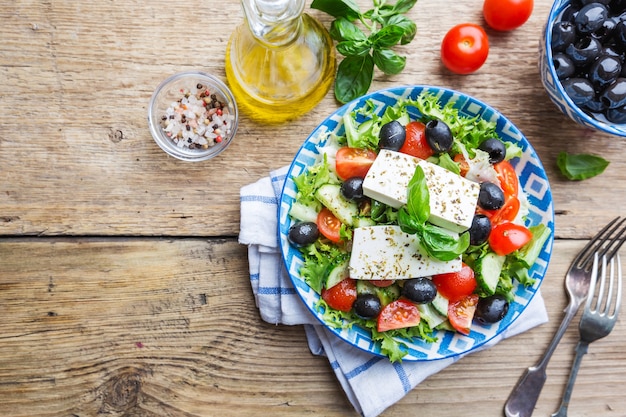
(523, 398)
(598, 319)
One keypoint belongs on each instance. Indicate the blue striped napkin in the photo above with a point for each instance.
(371, 383)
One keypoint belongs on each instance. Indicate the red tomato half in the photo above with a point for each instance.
(506, 213)
(341, 296)
(505, 15)
(329, 225)
(398, 314)
(506, 238)
(415, 143)
(454, 285)
(464, 48)
(463, 165)
(461, 313)
(353, 162)
(508, 178)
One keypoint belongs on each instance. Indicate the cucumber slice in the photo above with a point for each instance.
(330, 196)
(487, 271)
(337, 274)
(431, 315)
(440, 304)
(302, 212)
(363, 222)
(385, 294)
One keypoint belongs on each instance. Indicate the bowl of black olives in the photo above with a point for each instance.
(582, 62)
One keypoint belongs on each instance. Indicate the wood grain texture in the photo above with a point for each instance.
(77, 158)
(168, 327)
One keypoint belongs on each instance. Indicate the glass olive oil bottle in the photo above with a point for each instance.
(280, 62)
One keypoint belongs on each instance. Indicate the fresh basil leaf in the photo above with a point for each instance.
(388, 61)
(338, 8)
(441, 244)
(386, 37)
(341, 29)
(356, 48)
(354, 77)
(418, 198)
(408, 223)
(408, 26)
(403, 6)
(581, 166)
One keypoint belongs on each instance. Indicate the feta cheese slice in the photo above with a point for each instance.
(386, 252)
(452, 198)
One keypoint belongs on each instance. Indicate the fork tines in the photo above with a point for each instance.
(605, 243)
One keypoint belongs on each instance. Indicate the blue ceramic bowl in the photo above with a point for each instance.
(533, 181)
(554, 88)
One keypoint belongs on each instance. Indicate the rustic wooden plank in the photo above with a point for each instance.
(77, 77)
(169, 327)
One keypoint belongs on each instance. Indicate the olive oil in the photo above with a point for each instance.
(279, 63)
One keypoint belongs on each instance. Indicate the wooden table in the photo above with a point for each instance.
(123, 289)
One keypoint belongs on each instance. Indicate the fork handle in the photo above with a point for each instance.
(581, 349)
(523, 398)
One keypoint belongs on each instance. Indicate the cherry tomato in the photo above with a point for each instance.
(454, 285)
(506, 213)
(461, 313)
(464, 48)
(506, 238)
(415, 143)
(508, 178)
(382, 283)
(505, 15)
(328, 225)
(341, 296)
(353, 162)
(398, 314)
(463, 165)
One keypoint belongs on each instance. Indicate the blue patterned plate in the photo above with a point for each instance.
(533, 180)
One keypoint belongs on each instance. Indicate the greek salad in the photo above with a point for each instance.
(408, 225)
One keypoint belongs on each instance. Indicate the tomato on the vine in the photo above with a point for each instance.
(415, 143)
(505, 15)
(461, 313)
(329, 225)
(341, 296)
(464, 48)
(353, 162)
(506, 238)
(453, 285)
(398, 314)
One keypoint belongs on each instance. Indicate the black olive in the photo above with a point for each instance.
(604, 71)
(352, 189)
(563, 34)
(495, 148)
(591, 17)
(492, 309)
(619, 35)
(615, 94)
(580, 90)
(616, 115)
(584, 51)
(367, 306)
(438, 136)
(490, 197)
(303, 233)
(563, 66)
(605, 32)
(569, 13)
(419, 290)
(479, 230)
(392, 136)
(595, 105)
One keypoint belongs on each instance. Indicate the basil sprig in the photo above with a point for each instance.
(580, 166)
(387, 27)
(413, 219)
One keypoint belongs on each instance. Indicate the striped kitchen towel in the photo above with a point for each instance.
(359, 373)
